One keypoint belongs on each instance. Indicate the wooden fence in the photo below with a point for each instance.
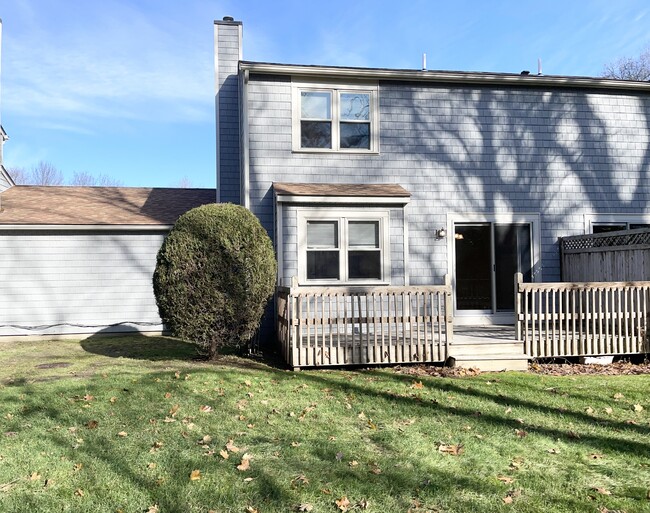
(576, 319)
(361, 325)
(612, 256)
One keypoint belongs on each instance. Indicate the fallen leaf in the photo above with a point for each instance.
(508, 410)
(295, 444)
(151, 466)
(417, 385)
(195, 475)
(505, 479)
(174, 410)
(632, 422)
(123, 434)
(595, 456)
(156, 446)
(637, 407)
(299, 480)
(245, 463)
(618, 395)
(375, 470)
(77, 467)
(79, 492)
(35, 476)
(231, 446)
(589, 411)
(248, 479)
(251, 509)
(304, 507)
(92, 424)
(454, 449)
(205, 408)
(553, 451)
(113, 400)
(153, 509)
(224, 454)
(343, 503)
(363, 504)
(608, 411)
(521, 433)
(353, 463)
(177, 375)
(88, 397)
(168, 395)
(507, 499)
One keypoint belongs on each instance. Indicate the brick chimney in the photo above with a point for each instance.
(227, 54)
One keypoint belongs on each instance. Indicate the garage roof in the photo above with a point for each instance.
(67, 205)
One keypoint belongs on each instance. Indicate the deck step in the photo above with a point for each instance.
(492, 355)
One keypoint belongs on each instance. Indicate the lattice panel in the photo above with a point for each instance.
(605, 241)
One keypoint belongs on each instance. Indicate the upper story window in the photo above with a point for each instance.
(335, 118)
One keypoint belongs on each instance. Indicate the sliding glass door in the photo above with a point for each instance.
(487, 256)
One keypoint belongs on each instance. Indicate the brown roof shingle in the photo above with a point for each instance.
(55, 205)
(341, 189)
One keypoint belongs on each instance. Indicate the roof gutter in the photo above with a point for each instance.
(442, 76)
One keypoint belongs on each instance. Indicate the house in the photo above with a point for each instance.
(369, 177)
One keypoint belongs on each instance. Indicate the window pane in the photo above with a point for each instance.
(604, 228)
(364, 265)
(355, 107)
(322, 265)
(363, 233)
(315, 134)
(355, 135)
(322, 234)
(315, 105)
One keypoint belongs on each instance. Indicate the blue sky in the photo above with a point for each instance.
(126, 88)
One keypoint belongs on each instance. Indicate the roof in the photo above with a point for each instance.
(441, 76)
(66, 205)
(386, 190)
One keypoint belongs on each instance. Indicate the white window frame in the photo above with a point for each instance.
(592, 220)
(336, 89)
(343, 216)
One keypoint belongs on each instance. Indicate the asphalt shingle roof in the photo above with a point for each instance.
(66, 205)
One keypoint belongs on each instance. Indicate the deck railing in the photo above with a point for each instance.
(582, 319)
(364, 325)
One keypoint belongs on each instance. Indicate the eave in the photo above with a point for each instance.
(443, 77)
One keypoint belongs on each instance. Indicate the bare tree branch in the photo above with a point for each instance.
(629, 68)
(20, 175)
(44, 173)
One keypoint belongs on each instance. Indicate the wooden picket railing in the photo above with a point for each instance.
(364, 325)
(582, 319)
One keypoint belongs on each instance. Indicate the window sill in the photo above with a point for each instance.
(356, 283)
(335, 152)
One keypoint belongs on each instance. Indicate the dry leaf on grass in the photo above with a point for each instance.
(506, 479)
(521, 433)
(224, 454)
(195, 475)
(453, 449)
(304, 507)
(343, 503)
(174, 410)
(205, 408)
(601, 491)
(122, 434)
(637, 407)
(92, 424)
(245, 463)
(79, 492)
(230, 446)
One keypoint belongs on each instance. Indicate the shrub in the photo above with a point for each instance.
(215, 273)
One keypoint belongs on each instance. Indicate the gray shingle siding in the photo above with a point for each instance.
(228, 139)
(562, 153)
(77, 282)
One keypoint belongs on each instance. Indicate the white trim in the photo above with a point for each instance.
(346, 73)
(356, 200)
(335, 88)
(591, 219)
(407, 258)
(88, 227)
(244, 139)
(342, 216)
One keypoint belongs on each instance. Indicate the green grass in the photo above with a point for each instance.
(313, 437)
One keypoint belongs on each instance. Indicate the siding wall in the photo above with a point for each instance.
(560, 153)
(227, 35)
(77, 282)
(4, 183)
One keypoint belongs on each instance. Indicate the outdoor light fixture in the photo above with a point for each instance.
(441, 233)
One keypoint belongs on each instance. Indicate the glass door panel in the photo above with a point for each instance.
(473, 266)
(512, 254)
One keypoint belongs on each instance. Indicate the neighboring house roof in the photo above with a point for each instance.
(386, 190)
(460, 77)
(66, 205)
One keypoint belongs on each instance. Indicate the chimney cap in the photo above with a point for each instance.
(525, 73)
(228, 18)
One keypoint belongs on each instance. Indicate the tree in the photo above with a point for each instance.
(215, 273)
(630, 68)
(20, 175)
(45, 173)
(86, 179)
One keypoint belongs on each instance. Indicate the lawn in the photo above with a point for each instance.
(136, 424)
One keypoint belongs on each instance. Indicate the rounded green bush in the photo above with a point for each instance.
(215, 273)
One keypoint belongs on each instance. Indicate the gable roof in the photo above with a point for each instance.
(65, 205)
